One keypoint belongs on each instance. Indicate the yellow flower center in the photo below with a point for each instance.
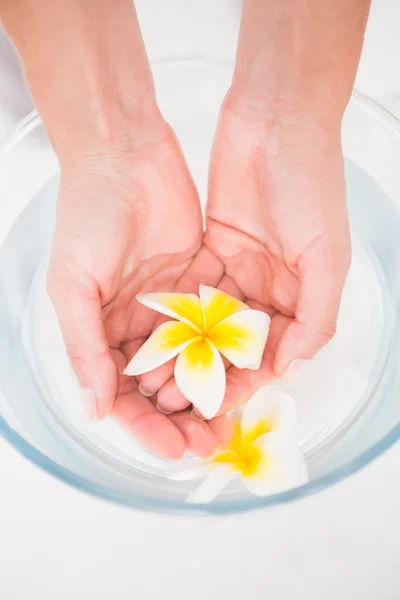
(242, 454)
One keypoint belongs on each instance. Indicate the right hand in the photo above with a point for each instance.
(128, 221)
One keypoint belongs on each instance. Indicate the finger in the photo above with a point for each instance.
(79, 312)
(126, 384)
(322, 275)
(160, 375)
(205, 268)
(283, 286)
(199, 437)
(270, 310)
(137, 415)
(228, 286)
(170, 399)
(222, 429)
(152, 381)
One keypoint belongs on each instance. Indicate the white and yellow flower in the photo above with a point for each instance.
(207, 325)
(262, 451)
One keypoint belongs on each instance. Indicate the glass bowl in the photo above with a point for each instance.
(351, 412)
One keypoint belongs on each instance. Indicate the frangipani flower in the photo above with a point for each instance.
(206, 326)
(262, 451)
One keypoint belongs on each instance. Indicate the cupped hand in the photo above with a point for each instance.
(277, 220)
(128, 221)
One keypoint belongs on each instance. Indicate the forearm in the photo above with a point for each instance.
(86, 67)
(300, 55)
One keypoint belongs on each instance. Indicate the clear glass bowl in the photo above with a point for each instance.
(32, 400)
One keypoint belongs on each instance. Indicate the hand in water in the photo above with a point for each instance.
(277, 220)
(128, 222)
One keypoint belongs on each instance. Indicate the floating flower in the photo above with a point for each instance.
(206, 326)
(262, 451)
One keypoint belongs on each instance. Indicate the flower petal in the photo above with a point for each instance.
(184, 307)
(163, 344)
(282, 466)
(212, 485)
(270, 409)
(218, 305)
(200, 376)
(241, 338)
(231, 453)
(187, 470)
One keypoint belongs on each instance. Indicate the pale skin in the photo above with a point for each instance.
(128, 220)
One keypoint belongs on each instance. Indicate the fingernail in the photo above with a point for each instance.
(89, 403)
(145, 392)
(163, 411)
(294, 368)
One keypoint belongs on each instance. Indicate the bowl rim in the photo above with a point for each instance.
(35, 456)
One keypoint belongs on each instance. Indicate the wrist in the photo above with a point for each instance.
(87, 69)
(298, 58)
(102, 127)
(265, 114)
(279, 136)
(139, 140)
(100, 103)
(289, 88)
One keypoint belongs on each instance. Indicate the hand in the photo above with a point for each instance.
(128, 221)
(277, 220)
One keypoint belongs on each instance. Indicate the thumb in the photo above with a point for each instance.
(78, 310)
(322, 275)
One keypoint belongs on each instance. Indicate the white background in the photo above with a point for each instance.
(56, 543)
